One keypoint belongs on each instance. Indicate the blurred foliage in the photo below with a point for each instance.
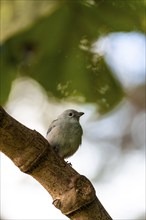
(54, 47)
(18, 14)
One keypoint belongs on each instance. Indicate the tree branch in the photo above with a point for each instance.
(72, 193)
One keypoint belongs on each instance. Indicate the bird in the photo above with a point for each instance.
(65, 133)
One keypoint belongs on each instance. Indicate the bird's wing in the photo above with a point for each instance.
(52, 125)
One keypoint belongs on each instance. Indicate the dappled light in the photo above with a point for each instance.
(88, 56)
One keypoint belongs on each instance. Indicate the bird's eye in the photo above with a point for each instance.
(70, 114)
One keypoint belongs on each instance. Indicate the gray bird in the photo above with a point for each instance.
(65, 133)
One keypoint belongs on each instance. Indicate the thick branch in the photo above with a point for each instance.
(72, 193)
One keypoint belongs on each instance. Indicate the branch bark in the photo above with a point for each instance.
(72, 193)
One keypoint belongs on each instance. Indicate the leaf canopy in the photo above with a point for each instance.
(55, 51)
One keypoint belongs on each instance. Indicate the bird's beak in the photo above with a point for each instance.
(80, 114)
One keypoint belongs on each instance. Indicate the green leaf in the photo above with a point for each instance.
(55, 51)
